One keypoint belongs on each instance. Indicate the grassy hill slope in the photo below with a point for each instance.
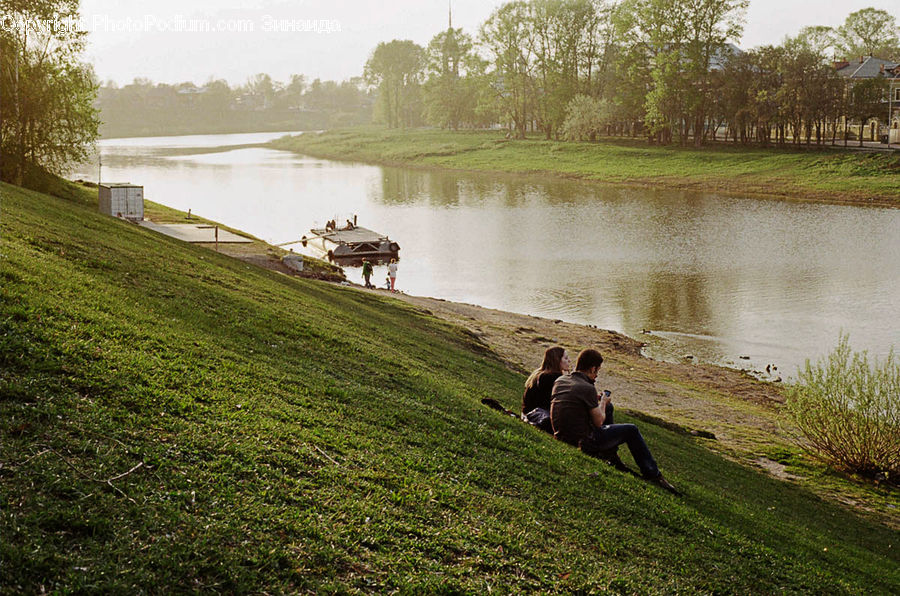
(175, 419)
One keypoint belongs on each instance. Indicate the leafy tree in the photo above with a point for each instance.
(595, 39)
(711, 24)
(291, 95)
(565, 42)
(47, 118)
(682, 38)
(396, 68)
(263, 86)
(627, 78)
(767, 79)
(508, 37)
(455, 75)
(817, 39)
(810, 90)
(217, 98)
(870, 32)
(794, 95)
(865, 101)
(739, 96)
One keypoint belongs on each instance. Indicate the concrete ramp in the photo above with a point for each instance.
(204, 233)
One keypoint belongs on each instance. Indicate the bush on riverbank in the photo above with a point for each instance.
(849, 411)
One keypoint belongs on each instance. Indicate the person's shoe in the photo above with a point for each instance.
(665, 485)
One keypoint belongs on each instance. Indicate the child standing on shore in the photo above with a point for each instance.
(392, 274)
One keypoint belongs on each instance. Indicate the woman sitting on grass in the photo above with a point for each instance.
(539, 386)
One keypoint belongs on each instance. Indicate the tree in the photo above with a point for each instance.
(291, 95)
(396, 68)
(563, 30)
(508, 37)
(740, 98)
(263, 86)
(627, 78)
(681, 38)
(47, 118)
(870, 32)
(818, 39)
(866, 101)
(454, 75)
(217, 98)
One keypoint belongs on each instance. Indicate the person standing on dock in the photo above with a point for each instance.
(367, 272)
(392, 273)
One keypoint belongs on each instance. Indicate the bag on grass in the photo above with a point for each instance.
(540, 418)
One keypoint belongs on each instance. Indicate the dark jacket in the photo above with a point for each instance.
(538, 395)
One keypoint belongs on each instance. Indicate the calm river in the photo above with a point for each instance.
(719, 277)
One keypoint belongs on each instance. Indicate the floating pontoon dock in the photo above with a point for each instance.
(351, 244)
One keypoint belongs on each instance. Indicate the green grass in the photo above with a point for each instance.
(817, 175)
(289, 435)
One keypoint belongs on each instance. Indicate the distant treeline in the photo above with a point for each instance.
(144, 108)
(666, 69)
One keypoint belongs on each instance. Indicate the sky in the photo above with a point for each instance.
(172, 41)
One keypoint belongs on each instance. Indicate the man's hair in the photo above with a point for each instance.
(588, 358)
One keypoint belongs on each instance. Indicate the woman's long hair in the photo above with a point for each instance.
(552, 363)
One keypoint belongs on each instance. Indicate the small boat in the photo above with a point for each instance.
(351, 244)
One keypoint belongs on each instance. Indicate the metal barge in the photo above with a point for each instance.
(352, 244)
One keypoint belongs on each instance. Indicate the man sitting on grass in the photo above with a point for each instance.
(579, 417)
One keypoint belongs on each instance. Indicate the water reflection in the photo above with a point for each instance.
(722, 276)
(717, 276)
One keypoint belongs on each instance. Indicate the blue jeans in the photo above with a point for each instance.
(608, 437)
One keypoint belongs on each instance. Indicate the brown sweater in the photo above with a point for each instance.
(574, 396)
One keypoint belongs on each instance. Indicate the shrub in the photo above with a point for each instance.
(585, 117)
(849, 411)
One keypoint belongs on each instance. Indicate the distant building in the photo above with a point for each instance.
(189, 92)
(253, 102)
(870, 67)
(867, 67)
(722, 54)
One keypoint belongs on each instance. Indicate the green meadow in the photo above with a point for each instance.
(826, 175)
(172, 419)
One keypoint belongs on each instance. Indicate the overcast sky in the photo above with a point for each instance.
(155, 40)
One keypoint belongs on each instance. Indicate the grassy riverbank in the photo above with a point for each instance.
(828, 175)
(175, 419)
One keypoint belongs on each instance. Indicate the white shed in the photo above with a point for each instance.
(122, 199)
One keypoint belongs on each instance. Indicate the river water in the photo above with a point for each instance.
(732, 280)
